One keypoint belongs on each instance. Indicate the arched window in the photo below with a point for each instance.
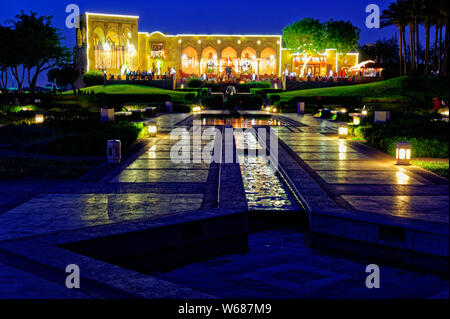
(209, 62)
(229, 58)
(248, 63)
(99, 36)
(189, 61)
(112, 38)
(268, 63)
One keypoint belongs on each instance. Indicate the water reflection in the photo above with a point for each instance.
(263, 189)
(241, 122)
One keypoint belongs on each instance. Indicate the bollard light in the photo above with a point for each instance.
(343, 131)
(114, 151)
(403, 153)
(152, 129)
(39, 118)
(356, 120)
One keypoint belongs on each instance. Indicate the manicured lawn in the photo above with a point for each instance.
(132, 89)
(390, 89)
(438, 167)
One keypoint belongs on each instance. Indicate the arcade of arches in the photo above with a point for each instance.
(113, 44)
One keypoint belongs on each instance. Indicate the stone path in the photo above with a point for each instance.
(362, 178)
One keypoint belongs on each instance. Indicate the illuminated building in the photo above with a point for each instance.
(114, 43)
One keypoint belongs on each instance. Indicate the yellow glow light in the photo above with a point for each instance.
(403, 153)
(343, 131)
(356, 120)
(112, 15)
(152, 129)
(39, 118)
(402, 178)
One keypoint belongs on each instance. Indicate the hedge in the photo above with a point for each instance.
(428, 138)
(245, 101)
(87, 139)
(93, 78)
(194, 83)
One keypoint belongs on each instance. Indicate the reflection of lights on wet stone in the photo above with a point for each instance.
(263, 189)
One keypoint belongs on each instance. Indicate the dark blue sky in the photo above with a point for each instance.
(205, 16)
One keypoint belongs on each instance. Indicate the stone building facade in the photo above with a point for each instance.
(113, 44)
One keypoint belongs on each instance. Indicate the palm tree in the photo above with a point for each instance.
(395, 16)
(428, 15)
(445, 12)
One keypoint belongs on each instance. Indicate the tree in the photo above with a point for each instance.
(342, 36)
(5, 56)
(384, 53)
(396, 15)
(64, 76)
(306, 37)
(40, 45)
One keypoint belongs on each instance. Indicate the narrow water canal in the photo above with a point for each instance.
(263, 188)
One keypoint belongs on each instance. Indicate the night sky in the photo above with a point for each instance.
(206, 16)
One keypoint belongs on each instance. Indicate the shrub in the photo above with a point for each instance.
(190, 96)
(87, 137)
(245, 101)
(428, 138)
(274, 97)
(204, 91)
(212, 101)
(194, 83)
(421, 147)
(93, 78)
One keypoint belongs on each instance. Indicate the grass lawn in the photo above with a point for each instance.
(437, 167)
(132, 89)
(391, 89)
(21, 167)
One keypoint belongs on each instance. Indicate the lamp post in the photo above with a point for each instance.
(152, 129)
(39, 118)
(343, 131)
(403, 153)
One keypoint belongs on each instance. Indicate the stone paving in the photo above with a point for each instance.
(149, 186)
(343, 168)
(280, 264)
(76, 208)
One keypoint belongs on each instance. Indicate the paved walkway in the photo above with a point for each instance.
(150, 186)
(359, 177)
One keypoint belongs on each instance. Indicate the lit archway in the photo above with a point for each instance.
(99, 36)
(112, 38)
(209, 62)
(268, 63)
(189, 61)
(248, 62)
(229, 59)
